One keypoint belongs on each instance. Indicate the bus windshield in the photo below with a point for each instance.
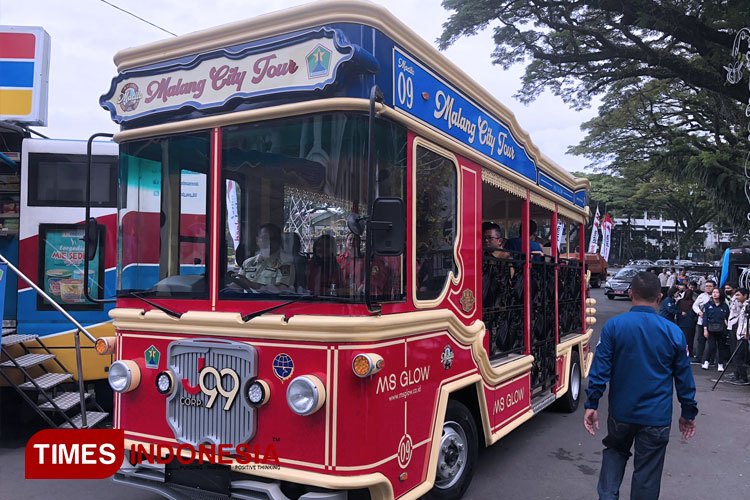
(162, 240)
(289, 186)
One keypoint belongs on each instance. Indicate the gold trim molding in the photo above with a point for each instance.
(500, 182)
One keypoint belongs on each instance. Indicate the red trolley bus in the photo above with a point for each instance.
(301, 278)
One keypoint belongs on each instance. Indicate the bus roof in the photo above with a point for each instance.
(436, 72)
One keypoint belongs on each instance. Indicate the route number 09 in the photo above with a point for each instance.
(405, 91)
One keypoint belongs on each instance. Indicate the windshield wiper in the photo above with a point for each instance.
(157, 306)
(248, 317)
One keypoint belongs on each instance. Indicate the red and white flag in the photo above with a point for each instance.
(594, 241)
(606, 236)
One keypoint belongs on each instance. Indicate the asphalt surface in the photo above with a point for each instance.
(549, 457)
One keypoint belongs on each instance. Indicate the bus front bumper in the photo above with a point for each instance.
(154, 477)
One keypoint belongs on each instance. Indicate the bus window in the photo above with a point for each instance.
(435, 188)
(59, 180)
(163, 240)
(289, 188)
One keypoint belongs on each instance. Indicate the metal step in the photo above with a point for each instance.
(14, 339)
(64, 401)
(92, 418)
(27, 360)
(47, 381)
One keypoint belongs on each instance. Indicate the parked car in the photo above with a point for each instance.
(665, 263)
(619, 284)
(641, 263)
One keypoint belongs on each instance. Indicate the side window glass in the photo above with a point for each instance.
(436, 195)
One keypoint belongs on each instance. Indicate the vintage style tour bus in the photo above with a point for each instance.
(301, 272)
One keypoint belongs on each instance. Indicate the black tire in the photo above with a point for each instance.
(568, 403)
(610, 297)
(452, 479)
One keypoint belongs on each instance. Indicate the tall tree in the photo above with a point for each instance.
(660, 66)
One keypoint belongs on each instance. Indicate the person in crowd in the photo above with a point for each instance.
(672, 279)
(686, 319)
(694, 287)
(715, 319)
(352, 265)
(324, 273)
(702, 282)
(493, 242)
(701, 301)
(682, 278)
(663, 279)
(515, 244)
(729, 292)
(266, 268)
(737, 324)
(669, 308)
(642, 357)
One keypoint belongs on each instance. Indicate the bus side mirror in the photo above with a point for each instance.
(91, 238)
(388, 226)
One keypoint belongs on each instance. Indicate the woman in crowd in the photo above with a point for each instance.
(686, 319)
(669, 308)
(715, 319)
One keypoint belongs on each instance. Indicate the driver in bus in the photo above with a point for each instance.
(266, 268)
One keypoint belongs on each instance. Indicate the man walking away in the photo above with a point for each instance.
(701, 301)
(639, 354)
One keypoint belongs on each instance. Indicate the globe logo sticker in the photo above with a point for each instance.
(318, 62)
(283, 366)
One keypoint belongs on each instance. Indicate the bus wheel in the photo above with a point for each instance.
(457, 454)
(569, 402)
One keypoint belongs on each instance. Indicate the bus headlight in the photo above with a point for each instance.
(124, 376)
(258, 393)
(305, 395)
(165, 383)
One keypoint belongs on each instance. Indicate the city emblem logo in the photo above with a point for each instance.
(447, 357)
(318, 62)
(283, 366)
(129, 98)
(152, 355)
(467, 300)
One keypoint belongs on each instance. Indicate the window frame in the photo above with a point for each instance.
(451, 278)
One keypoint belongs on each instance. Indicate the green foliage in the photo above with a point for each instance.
(658, 66)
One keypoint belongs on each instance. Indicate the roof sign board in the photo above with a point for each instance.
(306, 61)
(24, 74)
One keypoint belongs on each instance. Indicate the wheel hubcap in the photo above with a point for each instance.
(452, 457)
(575, 381)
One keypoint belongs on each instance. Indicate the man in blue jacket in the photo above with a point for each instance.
(639, 354)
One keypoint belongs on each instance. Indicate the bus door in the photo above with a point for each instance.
(51, 252)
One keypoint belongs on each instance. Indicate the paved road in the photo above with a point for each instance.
(549, 457)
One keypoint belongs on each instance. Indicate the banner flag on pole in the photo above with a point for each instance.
(606, 236)
(233, 218)
(594, 241)
(560, 234)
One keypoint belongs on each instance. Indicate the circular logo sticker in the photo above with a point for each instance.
(404, 451)
(283, 366)
(129, 98)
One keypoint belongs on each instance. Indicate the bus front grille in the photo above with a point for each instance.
(203, 368)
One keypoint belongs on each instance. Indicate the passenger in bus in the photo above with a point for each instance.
(266, 268)
(515, 244)
(323, 272)
(352, 264)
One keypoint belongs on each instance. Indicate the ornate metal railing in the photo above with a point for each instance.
(502, 299)
(570, 319)
(543, 342)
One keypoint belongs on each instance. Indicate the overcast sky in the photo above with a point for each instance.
(86, 34)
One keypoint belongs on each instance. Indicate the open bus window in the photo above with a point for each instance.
(289, 187)
(436, 193)
(163, 236)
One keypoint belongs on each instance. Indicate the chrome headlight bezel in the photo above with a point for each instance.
(305, 395)
(124, 376)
